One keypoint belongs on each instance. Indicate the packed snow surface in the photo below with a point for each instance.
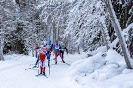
(98, 71)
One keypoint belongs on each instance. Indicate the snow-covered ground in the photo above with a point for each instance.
(102, 70)
(14, 75)
(94, 72)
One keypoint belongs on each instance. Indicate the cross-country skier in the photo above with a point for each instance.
(42, 56)
(57, 48)
(37, 56)
(63, 49)
(49, 50)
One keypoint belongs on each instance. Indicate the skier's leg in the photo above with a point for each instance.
(44, 67)
(41, 67)
(62, 54)
(56, 57)
(61, 57)
(36, 54)
(48, 57)
(37, 61)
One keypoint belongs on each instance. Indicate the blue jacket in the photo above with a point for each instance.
(57, 47)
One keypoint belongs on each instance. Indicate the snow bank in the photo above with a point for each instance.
(101, 49)
(98, 70)
(15, 60)
(87, 66)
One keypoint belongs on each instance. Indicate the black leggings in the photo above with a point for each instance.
(62, 53)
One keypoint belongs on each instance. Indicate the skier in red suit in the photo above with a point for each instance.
(42, 56)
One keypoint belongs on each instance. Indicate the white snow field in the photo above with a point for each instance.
(98, 71)
(14, 75)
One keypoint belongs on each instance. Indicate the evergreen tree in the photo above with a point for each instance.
(118, 31)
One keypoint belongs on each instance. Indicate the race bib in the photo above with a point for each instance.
(56, 46)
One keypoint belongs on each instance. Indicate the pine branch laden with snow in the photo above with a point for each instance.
(81, 25)
(119, 34)
(55, 17)
(128, 34)
(122, 9)
(130, 19)
(86, 25)
(22, 26)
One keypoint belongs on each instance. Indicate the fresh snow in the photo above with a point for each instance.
(97, 71)
(14, 75)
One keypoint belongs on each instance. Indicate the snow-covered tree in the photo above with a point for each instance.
(81, 25)
(7, 21)
(86, 25)
(122, 9)
(25, 25)
(118, 30)
(54, 17)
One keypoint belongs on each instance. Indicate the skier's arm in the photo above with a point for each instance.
(66, 50)
(60, 47)
(52, 48)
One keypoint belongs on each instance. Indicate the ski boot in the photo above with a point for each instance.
(34, 66)
(40, 72)
(56, 62)
(63, 61)
(44, 73)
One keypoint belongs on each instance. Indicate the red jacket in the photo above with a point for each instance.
(43, 51)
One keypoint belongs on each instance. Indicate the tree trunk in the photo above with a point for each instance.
(32, 46)
(1, 53)
(105, 40)
(54, 32)
(1, 47)
(117, 28)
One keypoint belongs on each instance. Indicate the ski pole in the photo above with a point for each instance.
(38, 67)
(49, 69)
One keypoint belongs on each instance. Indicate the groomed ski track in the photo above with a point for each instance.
(14, 75)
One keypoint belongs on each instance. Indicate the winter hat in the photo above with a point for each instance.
(49, 41)
(56, 41)
(37, 47)
(63, 44)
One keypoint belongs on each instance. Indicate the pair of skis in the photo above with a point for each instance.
(67, 64)
(41, 75)
(30, 68)
(63, 63)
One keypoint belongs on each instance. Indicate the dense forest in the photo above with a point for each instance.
(83, 25)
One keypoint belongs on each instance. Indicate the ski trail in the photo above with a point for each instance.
(14, 75)
(11, 66)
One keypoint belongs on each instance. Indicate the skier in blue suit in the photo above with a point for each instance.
(49, 46)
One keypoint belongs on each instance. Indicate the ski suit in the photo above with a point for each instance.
(37, 55)
(42, 56)
(62, 51)
(57, 48)
(49, 50)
